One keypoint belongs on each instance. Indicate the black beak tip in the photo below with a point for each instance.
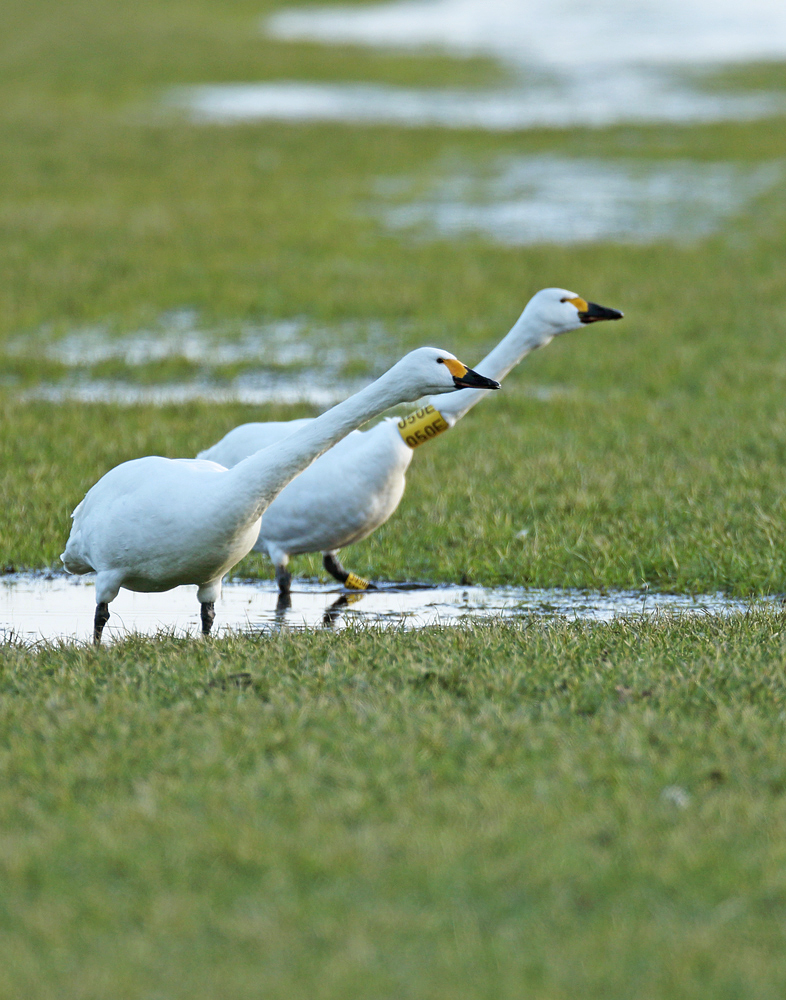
(473, 380)
(594, 313)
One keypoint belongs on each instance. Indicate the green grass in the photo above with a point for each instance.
(480, 812)
(610, 499)
(492, 811)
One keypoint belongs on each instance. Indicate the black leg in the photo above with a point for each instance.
(208, 614)
(283, 579)
(101, 618)
(336, 570)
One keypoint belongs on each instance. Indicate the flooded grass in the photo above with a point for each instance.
(619, 63)
(640, 99)
(547, 199)
(250, 391)
(282, 344)
(259, 363)
(619, 33)
(58, 608)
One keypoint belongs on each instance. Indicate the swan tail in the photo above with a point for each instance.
(73, 558)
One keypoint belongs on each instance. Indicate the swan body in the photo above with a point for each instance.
(140, 528)
(361, 482)
(156, 523)
(357, 485)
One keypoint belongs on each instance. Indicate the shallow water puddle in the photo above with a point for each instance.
(54, 607)
(279, 344)
(576, 63)
(250, 391)
(552, 33)
(584, 102)
(551, 199)
(284, 361)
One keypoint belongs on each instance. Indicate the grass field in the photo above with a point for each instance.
(485, 812)
(549, 810)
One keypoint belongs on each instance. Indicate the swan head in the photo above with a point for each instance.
(429, 371)
(557, 310)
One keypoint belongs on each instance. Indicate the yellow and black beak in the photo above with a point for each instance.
(466, 378)
(591, 312)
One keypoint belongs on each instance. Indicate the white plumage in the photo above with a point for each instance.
(156, 523)
(356, 485)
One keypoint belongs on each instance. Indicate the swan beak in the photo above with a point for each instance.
(466, 378)
(593, 313)
(474, 380)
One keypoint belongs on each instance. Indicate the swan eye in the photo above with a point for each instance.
(440, 361)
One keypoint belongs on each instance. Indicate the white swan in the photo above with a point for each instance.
(355, 487)
(156, 523)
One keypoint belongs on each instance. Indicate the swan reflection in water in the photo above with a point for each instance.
(332, 612)
(379, 611)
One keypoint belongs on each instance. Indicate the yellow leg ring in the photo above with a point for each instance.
(356, 582)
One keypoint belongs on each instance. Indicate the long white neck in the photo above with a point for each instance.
(253, 484)
(525, 336)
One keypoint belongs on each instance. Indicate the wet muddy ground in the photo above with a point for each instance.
(54, 607)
